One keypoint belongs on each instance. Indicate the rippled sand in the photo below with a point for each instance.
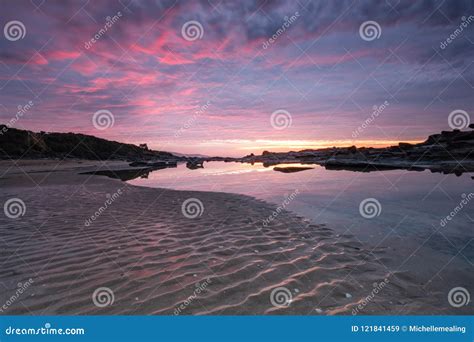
(154, 260)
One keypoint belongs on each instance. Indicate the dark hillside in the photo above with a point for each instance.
(15, 143)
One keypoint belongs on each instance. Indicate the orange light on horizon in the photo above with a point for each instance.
(240, 147)
(289, 145)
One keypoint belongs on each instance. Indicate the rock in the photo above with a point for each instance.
(405, 146)
(291, 169)
(352, 149)
(16, 143)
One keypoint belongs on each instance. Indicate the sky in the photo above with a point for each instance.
(231, 78)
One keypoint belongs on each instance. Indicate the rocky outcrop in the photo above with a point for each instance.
(291, 169)
(447, 152)
(16, 143)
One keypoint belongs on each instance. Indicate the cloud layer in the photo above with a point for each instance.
(215, 94)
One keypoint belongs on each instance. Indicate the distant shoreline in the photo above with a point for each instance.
(446, 152)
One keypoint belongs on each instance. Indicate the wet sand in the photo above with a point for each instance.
(153, 258)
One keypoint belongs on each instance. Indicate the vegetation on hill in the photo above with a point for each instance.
(16, 143)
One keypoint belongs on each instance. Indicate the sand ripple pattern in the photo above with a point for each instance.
(156, 261)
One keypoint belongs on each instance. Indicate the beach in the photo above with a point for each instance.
(148, 254)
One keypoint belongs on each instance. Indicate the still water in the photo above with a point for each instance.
(404, 209)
